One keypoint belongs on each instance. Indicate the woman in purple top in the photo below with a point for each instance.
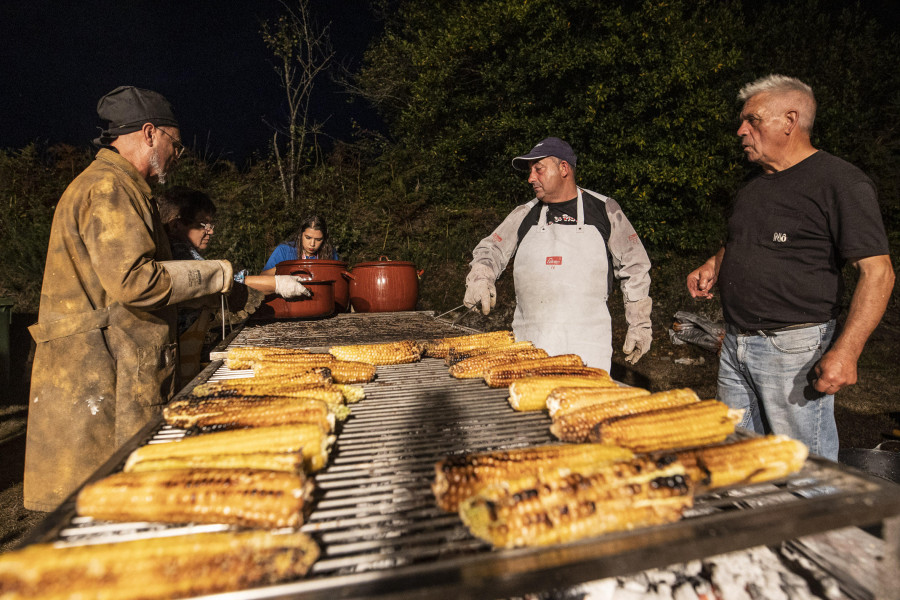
(309, 241)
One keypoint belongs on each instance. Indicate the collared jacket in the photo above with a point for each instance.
(106, 352)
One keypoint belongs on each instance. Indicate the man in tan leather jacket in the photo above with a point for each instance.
(105, 357)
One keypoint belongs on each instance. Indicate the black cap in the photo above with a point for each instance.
(127, 108)
(551, 146)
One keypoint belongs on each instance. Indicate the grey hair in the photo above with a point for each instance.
(782, 85)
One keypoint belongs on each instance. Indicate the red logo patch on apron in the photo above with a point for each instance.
(554, 260)
(497, 238)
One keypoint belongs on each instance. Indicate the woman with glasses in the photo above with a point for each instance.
(189, 219)
(309, 241)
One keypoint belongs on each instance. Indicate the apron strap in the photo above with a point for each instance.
(71, 325)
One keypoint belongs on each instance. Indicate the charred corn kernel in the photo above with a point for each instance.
(248, 498)
(216, 412)
(706, 422)
(311, 441)
(563, 364)
(746, 461)
(540, 510)
(530, 393)
(454, 355)
(567, 399)
(243, 357)
(262, 385)
(390, 353)
(458, 477)
(441, 347)
(157, 568)
(342, 371)
(478, 365)
(289, 462)
(576, 425)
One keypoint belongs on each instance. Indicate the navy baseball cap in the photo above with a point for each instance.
(551, 146)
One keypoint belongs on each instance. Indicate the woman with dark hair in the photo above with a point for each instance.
(309, 241)
(189, 217)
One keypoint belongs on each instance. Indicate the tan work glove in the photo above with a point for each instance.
(640, 334)
(290, 286)
(195, 278)
(480, 288)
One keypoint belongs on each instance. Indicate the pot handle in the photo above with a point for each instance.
(383, 258)
(303, 271)
(348, 275)
(419, 273)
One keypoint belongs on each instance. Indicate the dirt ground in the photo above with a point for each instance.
(867, 413)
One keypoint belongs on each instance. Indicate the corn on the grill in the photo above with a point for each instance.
(244, 357)
(576, 425)
(751, 460)
(216, 412)
(248, 498)
(342, 371)
(566, 399)
(706, 422)
(563, 364)
(326, 392)
(441, 347)
(458, 477)
(289, 462)
(163, 568)
(390, 353)
(262, 385)
(455, 355)
(538, 511)
(351, 393)
(530, 393)
(311, 441)
(478, 365)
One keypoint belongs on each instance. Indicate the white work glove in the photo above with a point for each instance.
(290, 286)
(480, 288)
(640, 334)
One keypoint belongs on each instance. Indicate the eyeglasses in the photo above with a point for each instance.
(176, 143)
(210, 227)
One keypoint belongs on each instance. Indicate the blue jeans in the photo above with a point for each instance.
(770, 375)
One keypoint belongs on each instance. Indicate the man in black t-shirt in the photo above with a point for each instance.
(791, 230)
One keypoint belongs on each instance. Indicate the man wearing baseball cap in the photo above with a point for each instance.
(105, 358)
(568, 244)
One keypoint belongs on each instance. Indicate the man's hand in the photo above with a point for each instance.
(290, 286)
(481, 292)
(701, 280)
(834, 371)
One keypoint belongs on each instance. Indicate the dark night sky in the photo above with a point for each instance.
(57, 58)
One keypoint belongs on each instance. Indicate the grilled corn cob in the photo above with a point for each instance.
(458, 477)
(243, 358)
(746, 461)
(454, 355)
(216, 412)
(538, 511)
(390, 353)
(530, 393)
(289, 462)
(706, 422)
(342, 371)
(563, 364)
(478, 365)
(576, 425)
(163, 567)
(311, 441)
(441, 347)
(263, 385)
(248, 498)
(567, 399)
(326, 392)
(351, 393)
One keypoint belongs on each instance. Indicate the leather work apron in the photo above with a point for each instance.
(190, 346)
(560, 274)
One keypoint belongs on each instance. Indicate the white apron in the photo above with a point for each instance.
(560, 274)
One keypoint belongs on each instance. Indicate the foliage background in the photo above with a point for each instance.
(644, 91)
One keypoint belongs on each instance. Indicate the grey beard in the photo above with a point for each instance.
(157, 169)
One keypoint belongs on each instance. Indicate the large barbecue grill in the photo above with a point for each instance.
(375, 517)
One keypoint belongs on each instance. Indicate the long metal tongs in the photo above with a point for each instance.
(225, 311)
(458, 318)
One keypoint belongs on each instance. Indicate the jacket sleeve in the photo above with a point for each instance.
(495, 251)
(631, 265)
(119, 237)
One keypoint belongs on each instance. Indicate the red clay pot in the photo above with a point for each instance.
(384, 286)
(320, 304)
(323, 270)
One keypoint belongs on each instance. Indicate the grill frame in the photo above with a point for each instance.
(747, 516)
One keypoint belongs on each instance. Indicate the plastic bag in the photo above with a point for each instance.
(691, 328)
